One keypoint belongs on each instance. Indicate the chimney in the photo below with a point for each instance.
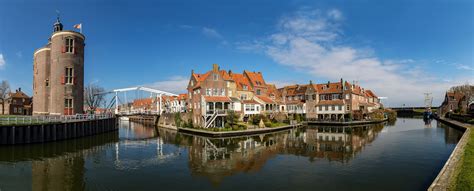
(311, 82)
(192, 71)
(215, 67)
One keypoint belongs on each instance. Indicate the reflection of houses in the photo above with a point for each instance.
(16, 103)
(217, 158)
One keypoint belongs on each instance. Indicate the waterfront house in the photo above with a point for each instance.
(453, 102)
(16, 103)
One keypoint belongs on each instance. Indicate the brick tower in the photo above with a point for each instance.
(58, 74)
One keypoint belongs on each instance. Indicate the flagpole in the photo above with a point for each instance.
(81, 28)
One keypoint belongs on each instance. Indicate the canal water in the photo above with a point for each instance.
(406, 155)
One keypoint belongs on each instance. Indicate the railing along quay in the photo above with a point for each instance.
(17, 120)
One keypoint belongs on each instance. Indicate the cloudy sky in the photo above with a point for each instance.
(398, 49)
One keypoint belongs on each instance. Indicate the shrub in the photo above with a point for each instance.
(177, 119)
(268, 124)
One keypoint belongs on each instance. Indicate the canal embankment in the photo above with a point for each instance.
(255, 131)
(55, 129)
(345, 123)
(456, 173)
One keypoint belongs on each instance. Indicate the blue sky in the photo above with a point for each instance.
(400, 49)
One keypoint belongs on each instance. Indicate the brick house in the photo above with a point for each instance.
(17, 103)
(212, 94)
(453, 101)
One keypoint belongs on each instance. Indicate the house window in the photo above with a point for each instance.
(68, 103)
(258, 92)
(69, 45)
(307, 97)
(216, 77)
(214, 91)
(326, 108)
(348, 107)
(222, 92)
(334, 108)
(208, 91)
(244, 87)
(339, 107)
(243, 97)
(314, 96)
(47, 82)
(69, 76)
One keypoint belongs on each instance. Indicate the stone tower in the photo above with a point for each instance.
(58, 74)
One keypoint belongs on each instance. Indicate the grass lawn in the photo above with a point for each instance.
(465, 179)
(278, 124)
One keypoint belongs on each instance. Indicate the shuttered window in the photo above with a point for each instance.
(69, 77)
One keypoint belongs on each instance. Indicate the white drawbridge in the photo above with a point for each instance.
(122, 108)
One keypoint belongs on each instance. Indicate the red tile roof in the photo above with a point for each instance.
(142, 102)
(183, 96)
(217, 99)
(329, 88)
(256, 78)
(240, 81)
(265, 99)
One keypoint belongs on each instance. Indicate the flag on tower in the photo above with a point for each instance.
(78, 26)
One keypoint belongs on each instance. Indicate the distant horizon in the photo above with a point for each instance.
(399, 50)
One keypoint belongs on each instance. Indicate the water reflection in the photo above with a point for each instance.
(52, 166)
(221, 157)
(89, 163)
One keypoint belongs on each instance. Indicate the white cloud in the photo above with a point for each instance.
(176, 84)
(464, 67)
(211, 33)
(2, 61)
(309, 41)
(335, 14)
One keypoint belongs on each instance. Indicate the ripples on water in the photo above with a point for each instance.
(406, 155)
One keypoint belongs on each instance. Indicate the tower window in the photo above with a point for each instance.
(70, 45)
(47, 82)
(69, 77)
(68, 106)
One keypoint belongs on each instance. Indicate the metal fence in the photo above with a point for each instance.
(15, 120)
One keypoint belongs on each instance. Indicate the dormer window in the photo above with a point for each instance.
(244, 87)
(258, 92)
(216, 77)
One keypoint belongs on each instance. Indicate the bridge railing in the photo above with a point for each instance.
(18, 120)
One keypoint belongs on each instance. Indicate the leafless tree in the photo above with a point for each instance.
(92, 97)
(4, 91)
(466, 89)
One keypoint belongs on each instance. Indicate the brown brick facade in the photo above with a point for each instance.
(58, 76)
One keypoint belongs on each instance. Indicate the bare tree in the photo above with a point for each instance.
(466, 89)
(93, 97)
(4, 91)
